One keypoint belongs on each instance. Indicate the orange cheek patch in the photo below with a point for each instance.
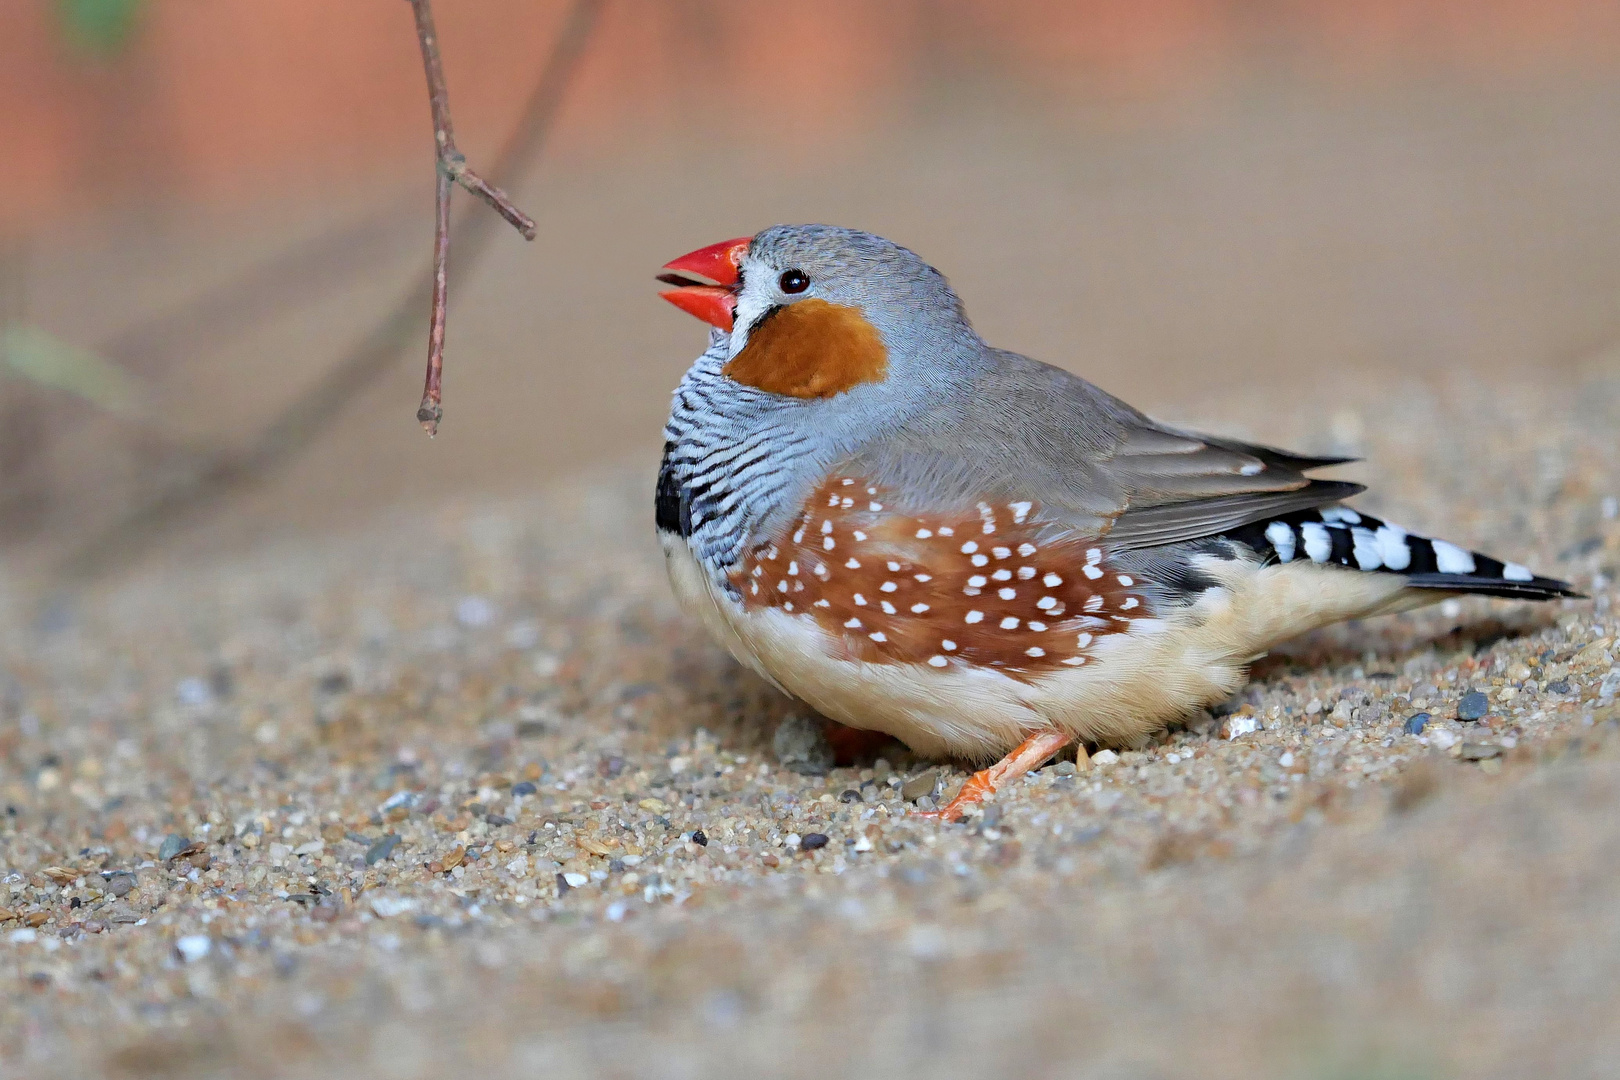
(811, 349)
(948, 592)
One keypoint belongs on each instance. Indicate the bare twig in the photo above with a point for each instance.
(452, 168)
(214, 475)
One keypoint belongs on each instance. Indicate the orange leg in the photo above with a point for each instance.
(1030, 754)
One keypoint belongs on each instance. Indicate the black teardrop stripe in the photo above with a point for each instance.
(1422, 570)
(672, 512)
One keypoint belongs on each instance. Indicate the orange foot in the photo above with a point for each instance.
(1030, 754)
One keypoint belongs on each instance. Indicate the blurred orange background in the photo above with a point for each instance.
(1175, 198)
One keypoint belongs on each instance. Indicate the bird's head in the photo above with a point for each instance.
(816, 311)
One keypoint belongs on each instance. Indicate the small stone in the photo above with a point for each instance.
(801, 746)
(172, 845)
(700, 838)
(1065, 768)
(386, 906)
(791, 840)
(1472, 706)
(383, 848)
(522, 788)
(1610, 686)
(575, 880)
(1238, 725)
(925, 804)
(849, 795)
(1558, 686)
(1474, 751)
(1313, 707)
(923, 785)
(1104, 757)
(1416, 723)
(193, 947)
(1342, 712)
(813, 841)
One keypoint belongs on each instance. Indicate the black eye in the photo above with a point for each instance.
(793, 281)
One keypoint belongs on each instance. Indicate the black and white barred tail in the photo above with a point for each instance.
(1340, 536)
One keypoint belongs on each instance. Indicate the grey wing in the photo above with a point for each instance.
(1029, 430)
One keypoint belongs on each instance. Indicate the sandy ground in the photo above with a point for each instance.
(467, 792)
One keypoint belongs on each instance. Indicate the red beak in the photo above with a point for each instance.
(706, 281)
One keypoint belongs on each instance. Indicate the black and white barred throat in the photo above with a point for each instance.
(732, 456)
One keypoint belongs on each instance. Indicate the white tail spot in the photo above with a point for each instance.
(798, 536)
(937, 661)
(846, 502)
(1093, 555)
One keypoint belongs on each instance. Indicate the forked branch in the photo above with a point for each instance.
(452, 169)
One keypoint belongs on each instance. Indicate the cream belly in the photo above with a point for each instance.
(1135, 683)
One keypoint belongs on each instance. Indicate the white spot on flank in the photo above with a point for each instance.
(918, 609)
(787, 606)
(848, 481)
(871, 491)
(1281, 537)
(1020, 511)
(846, 502)
(937, 661)
(1253, 468)
(859, 535)
(878, 635)
(1130, 602)
(923, 534)
(978, 581)
(1392, 547)
(1009, 623)
(1007, 594)
(948, 645)
(989, 527)
(1093, 603)
(973, 617)
(860, 601)
(759, 570)
(1025, 573)
(852, 563)
(888, 608)
(1027, 549)
(979, 560)
(893, 565)
(798, 536)
(781, 586)
(1451, 559)
(1126, 580)
(1090, 571)
(853, 624)
(829, 543)
(1002, 575)
(888, 586)
(793, 568)
(922, 577)
(946, 530)
(822, 603)
(1075, 661)
(1318, 545)
(1093, 555)
(1082, 641)
(1046, 603)
(833, 501)
(1051, 581)
(970, 547)
(1514, 572)
(820, 571)
(875, 506)
(826, 527)
(754, 588)
(1036, 626)
(1034, 650)
(1001, 552)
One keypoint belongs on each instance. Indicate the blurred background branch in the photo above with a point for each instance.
(214, 475)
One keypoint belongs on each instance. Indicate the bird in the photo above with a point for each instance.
(982, 555)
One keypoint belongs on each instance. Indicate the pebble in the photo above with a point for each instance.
(523, 788)
(1416, 723)
(849, 795)
(1472, 706)
(383, 848)
(813, 841)
(700, 838)
(172, 845)
(386, 906)
(925, 783)
(801, 745)
(1065, 768)
(574, 880)
(1104, 757)
(1238, 725)
(1474, 751)
(193, 947)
